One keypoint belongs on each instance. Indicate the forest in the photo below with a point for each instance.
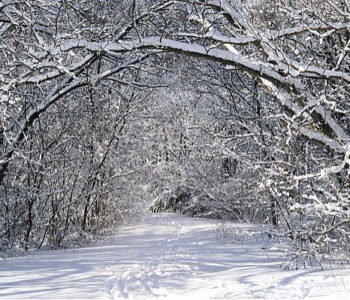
(106, 106)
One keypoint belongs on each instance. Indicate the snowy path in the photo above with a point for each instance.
(166, 257)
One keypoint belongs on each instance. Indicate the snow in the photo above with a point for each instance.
(167, 256)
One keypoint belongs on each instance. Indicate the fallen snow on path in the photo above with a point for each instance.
(167, 257)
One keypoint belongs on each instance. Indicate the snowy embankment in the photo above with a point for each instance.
(167, 257)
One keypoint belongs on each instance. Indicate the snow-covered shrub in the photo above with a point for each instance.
(173, 201)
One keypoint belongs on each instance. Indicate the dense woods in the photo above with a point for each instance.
(107, 105)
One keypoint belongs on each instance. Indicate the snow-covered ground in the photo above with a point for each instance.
(167, 257)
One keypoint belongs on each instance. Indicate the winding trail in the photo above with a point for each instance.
(167, 257)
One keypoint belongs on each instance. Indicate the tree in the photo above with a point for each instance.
(279, 69)
(63, 112)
